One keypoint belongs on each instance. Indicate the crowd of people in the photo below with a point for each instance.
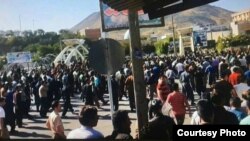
(221, 82)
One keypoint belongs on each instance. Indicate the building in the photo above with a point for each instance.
(215, 35)
(241, 22)
(241, 16)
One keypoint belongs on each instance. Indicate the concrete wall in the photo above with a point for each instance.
(240, 27)
(216, 34)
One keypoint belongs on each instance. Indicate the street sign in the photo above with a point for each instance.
(19, 57)
(200, 38)
(103, 50)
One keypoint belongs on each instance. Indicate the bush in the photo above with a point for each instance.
(161, 47)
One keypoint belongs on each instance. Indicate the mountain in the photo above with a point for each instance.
(203, 15)
(92, 21)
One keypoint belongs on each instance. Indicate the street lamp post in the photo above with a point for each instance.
(175, 52)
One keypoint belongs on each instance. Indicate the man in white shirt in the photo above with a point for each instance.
(179, 67)
(2, 113)
(88, 118)
(54, 122)
(3, 130)
(170, 75)
(240, 88)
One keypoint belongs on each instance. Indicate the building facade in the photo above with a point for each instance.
(241, 22)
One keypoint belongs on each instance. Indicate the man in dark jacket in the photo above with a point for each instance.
(221, 116)
(121, 123)
(160, 127)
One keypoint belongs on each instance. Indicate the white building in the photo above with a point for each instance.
(241, 22)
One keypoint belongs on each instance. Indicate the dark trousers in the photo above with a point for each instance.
(19, 115)
(180, 119)
(37, 102)
(115, 102)
(67, 105)
(10, 120)
(131, 97)
(44, 106)
(188, 91)
(58, 95)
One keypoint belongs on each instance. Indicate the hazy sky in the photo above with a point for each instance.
(53, 15)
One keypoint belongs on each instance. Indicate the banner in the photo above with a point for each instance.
(115, 20)
(200, 38)
(18, 57)
(93, 34)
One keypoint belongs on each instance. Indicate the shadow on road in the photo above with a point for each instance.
(36, 128)
(33, 134)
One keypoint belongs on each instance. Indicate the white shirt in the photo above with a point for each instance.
(195, 120)
(179, 67)
(54, 122)
(243, 62)
(2, 115)
(240, 88)
(170, 74)
(85, 133)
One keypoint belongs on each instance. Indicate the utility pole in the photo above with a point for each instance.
(33, 22)
(175, 52)
(137, 62)
(211, 31)
(20, 25)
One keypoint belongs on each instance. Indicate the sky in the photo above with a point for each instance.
(53, 15)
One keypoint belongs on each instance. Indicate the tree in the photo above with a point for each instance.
(9, 33)
(27, 33)
(40, 32)
(33, 48)
(161, 46)
(220, 46)
(43, 50)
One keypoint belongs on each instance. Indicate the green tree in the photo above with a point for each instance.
(220, 46)
(39, 32)
(161, 46)
(43, 50)
(9, 33)
(33, 48)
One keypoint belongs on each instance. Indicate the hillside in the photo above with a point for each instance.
(203, 15)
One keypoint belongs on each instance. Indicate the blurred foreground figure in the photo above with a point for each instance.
(121, 123)
(88, 119)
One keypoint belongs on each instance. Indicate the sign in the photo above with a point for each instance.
(106, 51)
(18, 57)
(115, 20)
(93, 34)
(200, 38)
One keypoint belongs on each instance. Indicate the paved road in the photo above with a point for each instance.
(36, 129)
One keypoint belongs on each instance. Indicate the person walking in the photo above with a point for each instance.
(43, 99)
(54, 122)
(187, 89)
(19, 108)
(129, 86)
(4, 134)
(179, 103)
(162, 89)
